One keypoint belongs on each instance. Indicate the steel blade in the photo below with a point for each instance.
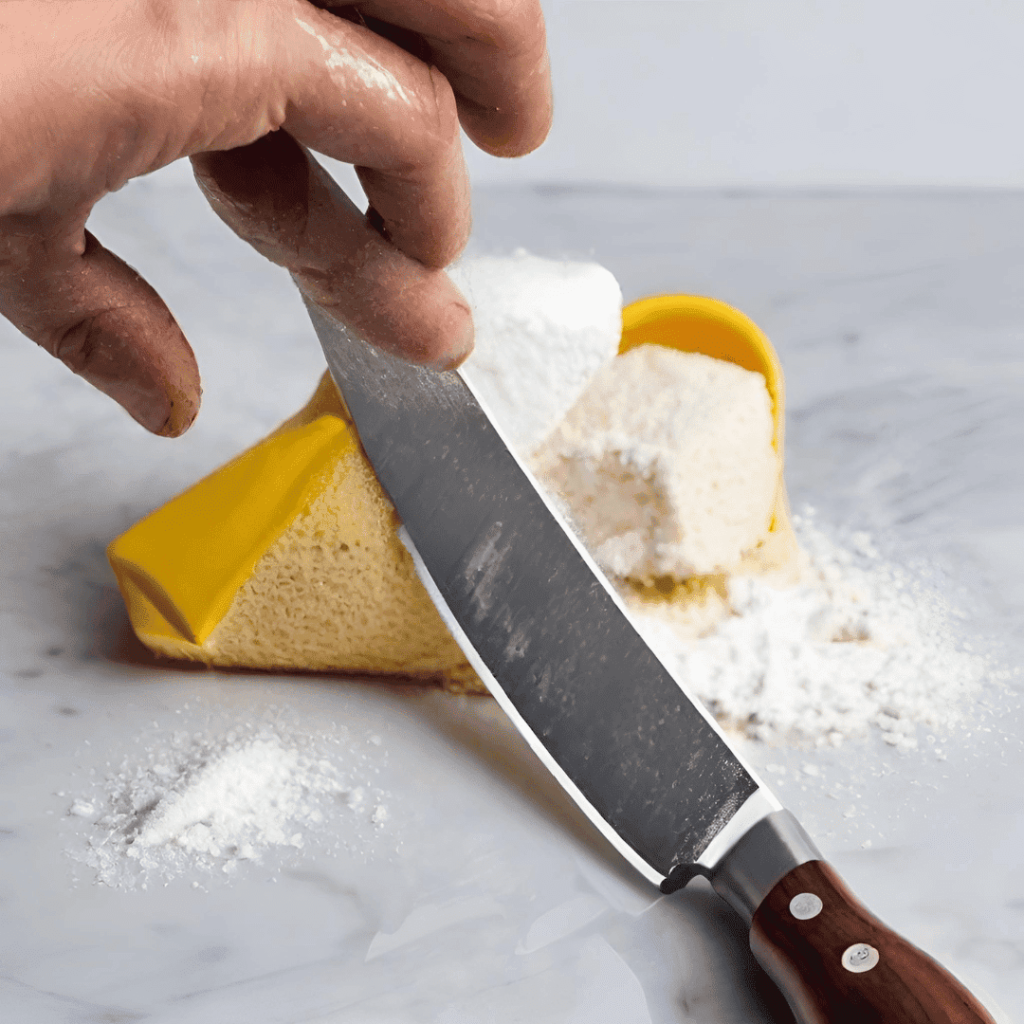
(538, 620)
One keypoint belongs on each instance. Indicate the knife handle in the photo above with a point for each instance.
(836, 963)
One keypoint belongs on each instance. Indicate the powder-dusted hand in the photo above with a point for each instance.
(99, 91)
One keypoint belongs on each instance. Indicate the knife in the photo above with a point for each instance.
(641, 756)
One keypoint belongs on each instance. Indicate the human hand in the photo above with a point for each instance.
(97, 92)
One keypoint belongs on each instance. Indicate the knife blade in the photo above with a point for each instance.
(640, 755)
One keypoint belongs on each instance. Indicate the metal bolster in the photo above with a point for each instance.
(765, 854)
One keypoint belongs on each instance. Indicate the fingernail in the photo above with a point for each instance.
(184, 409)
(462, 335)
(183, 391)
(151, 408)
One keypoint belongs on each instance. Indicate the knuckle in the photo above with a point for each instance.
(17, 242)
(219, 73)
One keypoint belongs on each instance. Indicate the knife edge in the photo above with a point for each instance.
(759, 805)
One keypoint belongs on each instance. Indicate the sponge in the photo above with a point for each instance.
(287, 558)
(667, 464)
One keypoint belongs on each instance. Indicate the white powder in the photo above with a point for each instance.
(197, 803)
(858, 644)
(667, 464)
(543, 329)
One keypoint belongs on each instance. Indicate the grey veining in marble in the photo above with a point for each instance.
(900, 323)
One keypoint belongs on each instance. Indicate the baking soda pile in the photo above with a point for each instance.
(857, 644)
(211, 803)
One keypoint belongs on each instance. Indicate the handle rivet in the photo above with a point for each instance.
(860, 957)
(805, 905)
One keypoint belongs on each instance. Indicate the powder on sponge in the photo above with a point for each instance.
(667, 464)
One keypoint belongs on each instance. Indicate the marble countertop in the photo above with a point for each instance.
(899, 319)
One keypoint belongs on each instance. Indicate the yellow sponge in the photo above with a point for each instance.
(287, 558)
(696, 323)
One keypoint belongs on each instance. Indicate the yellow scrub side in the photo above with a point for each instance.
(287, 558)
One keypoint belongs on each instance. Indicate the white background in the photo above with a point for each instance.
(781, 93)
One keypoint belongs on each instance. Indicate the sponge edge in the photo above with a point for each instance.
(275, 576)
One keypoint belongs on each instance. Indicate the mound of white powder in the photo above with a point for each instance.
(858, 644)
(209, 803)
(543, 328)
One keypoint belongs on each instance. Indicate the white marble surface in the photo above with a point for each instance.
(899, 319)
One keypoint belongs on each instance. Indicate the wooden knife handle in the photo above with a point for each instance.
(838, 964)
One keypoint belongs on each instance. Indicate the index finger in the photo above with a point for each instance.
(493, 53)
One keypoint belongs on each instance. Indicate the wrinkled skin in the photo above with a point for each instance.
(99, 91)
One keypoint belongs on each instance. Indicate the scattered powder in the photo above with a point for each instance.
(196, 803)
(856, 644)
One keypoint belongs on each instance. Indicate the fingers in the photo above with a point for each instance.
(345, 91)
(215, 76)
(494, 54)
(188, 79)
(98, 316)
(275, 196)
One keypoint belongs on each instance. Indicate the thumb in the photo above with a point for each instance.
(96, 314)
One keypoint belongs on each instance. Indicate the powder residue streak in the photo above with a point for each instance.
(368, 71)
(204, 803)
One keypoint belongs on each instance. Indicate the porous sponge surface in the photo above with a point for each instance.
(667, 464)
(337, 591)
